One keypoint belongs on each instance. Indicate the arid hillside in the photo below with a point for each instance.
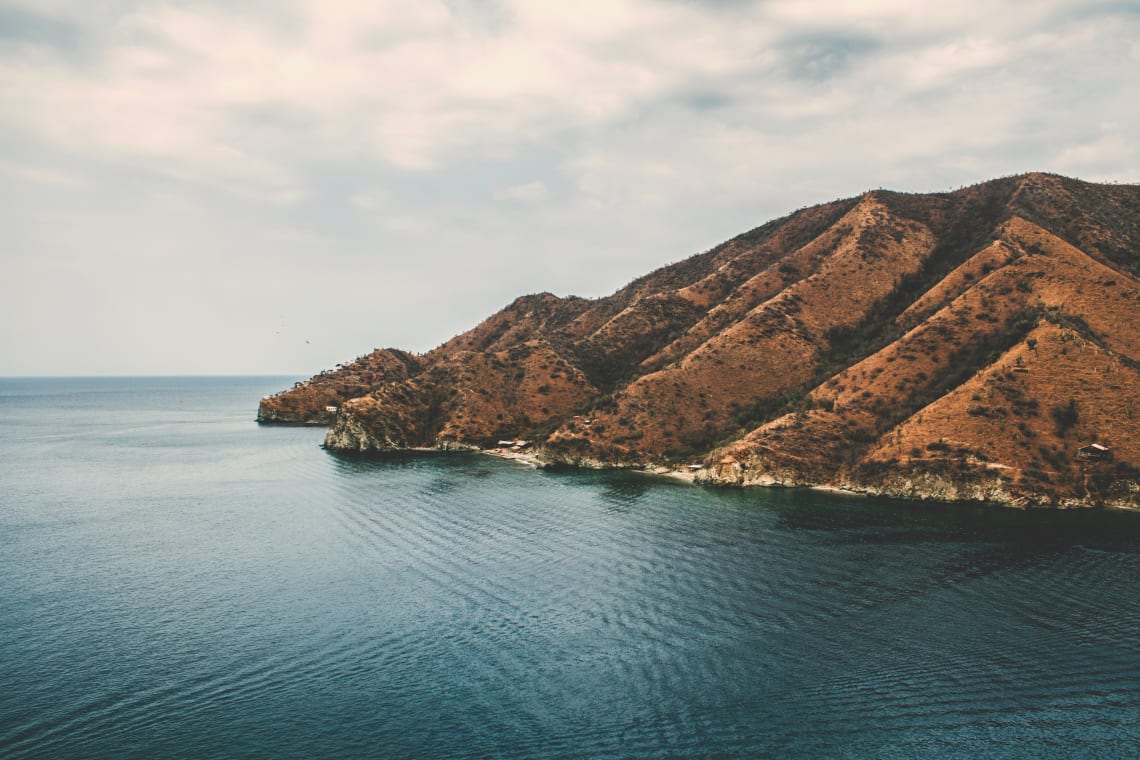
(313, 401)
(956, 346)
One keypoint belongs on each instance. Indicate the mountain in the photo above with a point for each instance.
(951, 346)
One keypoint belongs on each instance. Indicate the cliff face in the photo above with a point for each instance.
(955, 346)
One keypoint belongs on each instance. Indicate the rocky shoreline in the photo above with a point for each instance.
(346, 437)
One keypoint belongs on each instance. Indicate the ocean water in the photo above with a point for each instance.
(180, 582)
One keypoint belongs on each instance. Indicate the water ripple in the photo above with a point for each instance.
(212, 588)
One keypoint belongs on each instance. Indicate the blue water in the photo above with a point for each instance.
(177, 581)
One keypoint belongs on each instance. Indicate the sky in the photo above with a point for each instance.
(277, 186)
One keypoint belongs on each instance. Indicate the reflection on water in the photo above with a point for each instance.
(886, 520)
(203, 586)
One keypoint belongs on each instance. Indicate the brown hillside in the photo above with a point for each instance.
(920, 404)
(307, 402)
(924, 346)
(1006, 427)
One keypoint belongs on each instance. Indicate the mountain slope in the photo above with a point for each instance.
(954, 346)
(309, 401)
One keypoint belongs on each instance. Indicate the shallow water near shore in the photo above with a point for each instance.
(178, 581)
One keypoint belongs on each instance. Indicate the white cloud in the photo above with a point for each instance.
(1102, 157)
(528, 192)
(417, 85)
(42, 175)
(396, 134)
(171, 80)
(369, 200)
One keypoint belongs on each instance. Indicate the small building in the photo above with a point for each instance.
(506, 444)
(1094, 452)
(695, 467)
(330, 409)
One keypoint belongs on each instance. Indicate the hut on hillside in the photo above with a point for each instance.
(1094, 452)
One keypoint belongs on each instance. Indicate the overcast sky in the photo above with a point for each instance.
(275, 186)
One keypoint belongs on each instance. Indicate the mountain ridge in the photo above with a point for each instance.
(903, 344)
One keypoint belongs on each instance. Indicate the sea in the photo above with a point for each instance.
(178, 581)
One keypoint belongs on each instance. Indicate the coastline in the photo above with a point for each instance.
(515, 456)
(689, 477)
(531, 460)
(942, 494)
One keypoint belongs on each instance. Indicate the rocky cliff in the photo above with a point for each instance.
(952, 346)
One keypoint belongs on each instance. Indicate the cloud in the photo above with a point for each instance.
(27, 28)
(369, 200)
(822, 57)
(1104, 154)
(398, 138)
(528, 192)
(229, 96)
(42, 175)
